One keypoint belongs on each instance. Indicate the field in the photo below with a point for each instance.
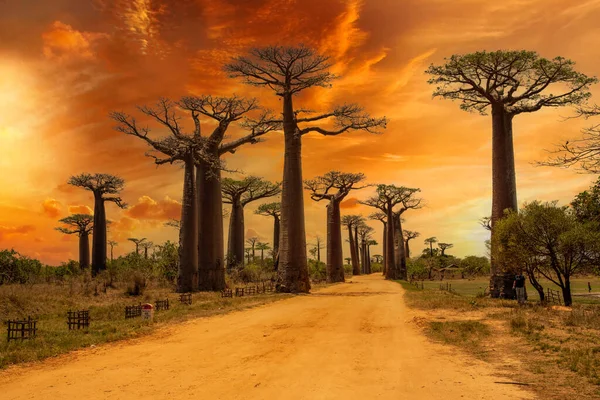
(49, 305)
(553, 350)
(476, 286)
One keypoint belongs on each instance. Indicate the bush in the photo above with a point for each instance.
(317, 270)
(137, 284)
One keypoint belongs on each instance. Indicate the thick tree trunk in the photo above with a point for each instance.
(235, 248)
(407, 249)
(146, 253)
(187, 280)
(99, 236)
(537, 286)
(84, 251)
(566, 291)
(293, 270)
(211, 256)
(384, 246)
(504, 186)
(368, 259)
(353, 252)
(262, 257)
(390, 269)
(335, 257)
(276, 242)
(363, 268)
(400, 254)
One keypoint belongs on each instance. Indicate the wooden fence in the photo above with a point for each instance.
(162, 305)
(21, 329)
(186, 298)
(78, 319)
(554, 297)
(447, 287)
(133, 311)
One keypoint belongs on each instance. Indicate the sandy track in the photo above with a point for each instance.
(348, 341)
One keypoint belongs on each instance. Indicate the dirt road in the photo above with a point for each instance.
(348, 341)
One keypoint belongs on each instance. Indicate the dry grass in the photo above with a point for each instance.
(49, 305)
(556, 350)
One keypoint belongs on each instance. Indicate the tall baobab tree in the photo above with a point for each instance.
(408, 236)
(381, 216)
(272, 210)
(112, 245)
(147, 245)
(103, 187)
(200, 156)
(388, 197)
(252, 241)
(262, 246)
(443, 247)
(370, 242)
(239, 193)
(334, 186)
(507, 83)
(378, 258)
(430, 241)
(289, 71)
(351, 222)
(364, 234)
(318, 247)
(255, 122)
(80, 224)
(348, 260)
(137, 242)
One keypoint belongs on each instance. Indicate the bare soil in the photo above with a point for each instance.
(355, 340)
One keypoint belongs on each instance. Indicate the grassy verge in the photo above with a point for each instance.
(49, 305)
(557, 349)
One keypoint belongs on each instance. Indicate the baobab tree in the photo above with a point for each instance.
(334, 186)
(147, 245)
(380, 216)
(348, 260)
(430, 241)
(318, 247)
(378, 258)
(248, 251)
(351, 222)
(364, 235)
(200, 155)
(388, 197)
(252, 241)
(240, 193)
(272, 210)
(443, 247)
(370, 242)
(81, 225)
(112, 245)
(507, 83)
(103, 187)
(289, 71)
(262, 246)
(408, 236)
(137, 242)
(173, 223)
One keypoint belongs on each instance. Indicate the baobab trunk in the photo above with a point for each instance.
(407, 250)
(384, 246)
(504, 186)
(368, 259)
(235, 248)
(356, 246)
(146, 253)
(187, 280)
(99, 236)
(84, 251)
(363, 268)
(390, 269)
(211, 265)
(401, 261)
(293, 271)
(353, 255)
(276, 234)
(335, 258)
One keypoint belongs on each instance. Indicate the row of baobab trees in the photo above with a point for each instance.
(505, 83)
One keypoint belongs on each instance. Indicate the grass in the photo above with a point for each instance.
(50, 303)
(476, 287)
(558, 347)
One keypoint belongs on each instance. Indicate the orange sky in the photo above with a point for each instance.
(65, 64)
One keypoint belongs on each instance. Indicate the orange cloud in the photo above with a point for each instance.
(80, 209)
(62, 41)
(350, 202)
(52, 208)
(149, 209)
(10, 231)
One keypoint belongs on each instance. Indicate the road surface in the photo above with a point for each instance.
(347, 341)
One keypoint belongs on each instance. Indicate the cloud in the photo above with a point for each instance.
(10, 231)
(81, 209)
(62, 42)
(350, 202)
(148, 209)
(52, 208)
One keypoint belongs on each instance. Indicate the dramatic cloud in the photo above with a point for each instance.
(11, 231)
(52, 208)
(80, 209)
(147, 208)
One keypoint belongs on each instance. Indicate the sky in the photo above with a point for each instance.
(65, 64)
